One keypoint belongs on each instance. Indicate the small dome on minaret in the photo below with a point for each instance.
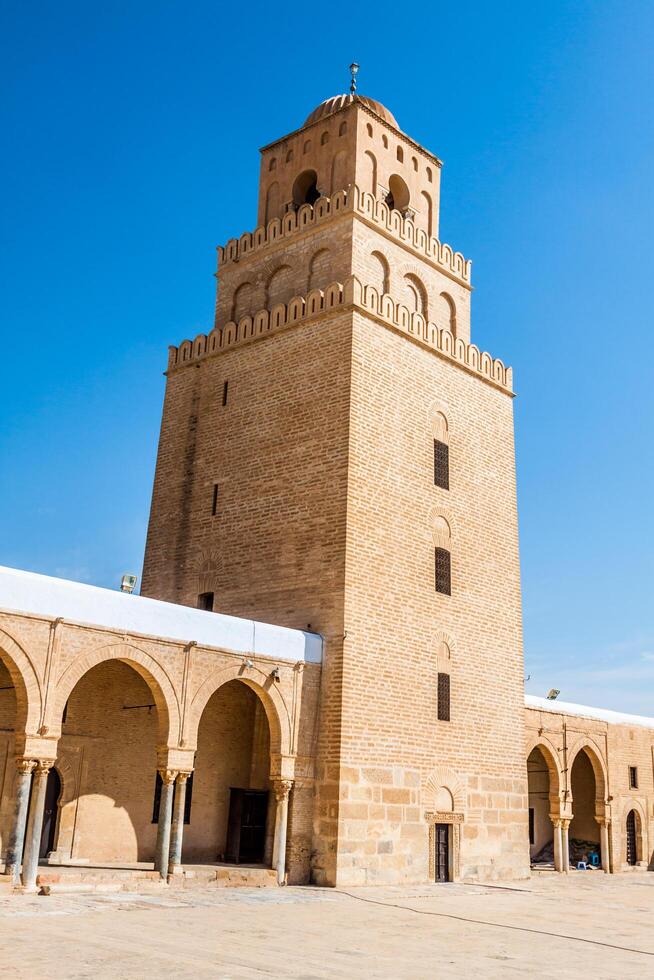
(337, 102)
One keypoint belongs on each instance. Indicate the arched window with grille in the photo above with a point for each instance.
(442, 556)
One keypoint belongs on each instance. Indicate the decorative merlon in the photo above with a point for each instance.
(354, 296)
(353, 200)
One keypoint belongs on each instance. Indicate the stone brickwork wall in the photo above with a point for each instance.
(134, 704)
(397, 625)
(351, 145)
(295, 482)
(598, 791)
(328, 514)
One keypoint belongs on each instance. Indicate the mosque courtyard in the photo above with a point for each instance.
(584, 924)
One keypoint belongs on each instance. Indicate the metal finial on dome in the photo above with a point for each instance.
(354, 68)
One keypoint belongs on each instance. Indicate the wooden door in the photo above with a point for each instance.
(253, 826)
(246, 825)
(442, 855)
(632, 848)
(233, 844)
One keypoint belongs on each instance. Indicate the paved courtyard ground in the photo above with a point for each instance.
(586, 925)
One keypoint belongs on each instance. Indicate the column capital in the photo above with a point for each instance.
(282, 766)
(177, 758)
(565, 823)
(43, 766)
(183, 776)
(556, 821)
(168, 776)
(25, 766)
(282, 788)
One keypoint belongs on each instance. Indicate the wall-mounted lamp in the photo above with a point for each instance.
(275, 674)
(128, 584)
(247, 663)
(553, 694)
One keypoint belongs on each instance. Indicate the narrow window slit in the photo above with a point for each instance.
(441, 464)
(443, 697)
(443, 571)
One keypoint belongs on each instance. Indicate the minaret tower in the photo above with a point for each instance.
(336, 455)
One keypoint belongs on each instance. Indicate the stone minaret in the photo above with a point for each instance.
(335, 455)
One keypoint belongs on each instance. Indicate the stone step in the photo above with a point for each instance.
(233, 877)
(67, 880)
(99, 875)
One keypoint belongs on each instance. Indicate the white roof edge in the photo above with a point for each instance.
(44, 595)
(583, 711)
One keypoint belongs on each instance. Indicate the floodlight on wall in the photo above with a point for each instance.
(275, 674)
(128, 583)
(553, 694)
(247, 663)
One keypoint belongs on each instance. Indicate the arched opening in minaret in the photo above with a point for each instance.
(305, 188)
(398, 196)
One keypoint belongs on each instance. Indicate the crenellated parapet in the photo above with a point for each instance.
(352, 295)
(401, 228)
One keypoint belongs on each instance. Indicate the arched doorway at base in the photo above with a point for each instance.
(442, 870)
(632, 838)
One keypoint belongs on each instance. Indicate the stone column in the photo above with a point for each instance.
(558, 862)
(35, 824)
(282, 789)
(163, 827)
(604, 846)
(565, 846)
(25, 768)
(177, 833)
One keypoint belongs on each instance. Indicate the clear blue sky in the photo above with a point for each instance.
(130, 150)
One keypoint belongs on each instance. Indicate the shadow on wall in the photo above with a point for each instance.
(108, 744)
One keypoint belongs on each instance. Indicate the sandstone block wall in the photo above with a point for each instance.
(137, 703)
(589, 761)
(400, 633)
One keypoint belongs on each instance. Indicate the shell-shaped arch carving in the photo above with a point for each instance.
(25, 681)
(268, 693)
(439, 417)
(210, 571)
(440, 523)
(445, 645)
(152, 672)
(439, 779)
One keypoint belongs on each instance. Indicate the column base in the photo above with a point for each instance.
(26, 889)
